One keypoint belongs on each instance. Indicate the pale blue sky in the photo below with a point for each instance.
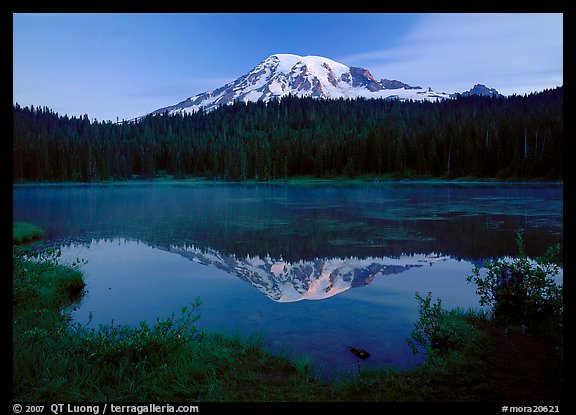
(126, 65)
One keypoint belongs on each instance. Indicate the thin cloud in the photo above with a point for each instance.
(454, 51)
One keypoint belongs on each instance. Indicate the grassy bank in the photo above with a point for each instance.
(23, 232)
(309, 180)
(172, 360)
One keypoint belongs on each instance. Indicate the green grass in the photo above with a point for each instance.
(171, 360)
(23, 232)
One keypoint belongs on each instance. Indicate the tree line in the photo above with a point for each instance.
(474, 136)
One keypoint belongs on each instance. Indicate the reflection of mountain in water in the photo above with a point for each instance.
(285, 281)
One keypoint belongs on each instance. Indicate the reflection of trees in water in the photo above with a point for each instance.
(466, 238)
(287, 222)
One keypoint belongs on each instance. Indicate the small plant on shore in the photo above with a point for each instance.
(437, 330)
(111, 344)
(521, 290)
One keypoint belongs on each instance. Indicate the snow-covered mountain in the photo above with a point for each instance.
(285, 281)
(303, 76)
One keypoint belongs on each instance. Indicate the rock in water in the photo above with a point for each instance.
(362, 354)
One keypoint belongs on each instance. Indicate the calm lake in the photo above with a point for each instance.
(311, 269)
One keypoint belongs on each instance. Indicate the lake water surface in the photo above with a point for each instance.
(309, 268)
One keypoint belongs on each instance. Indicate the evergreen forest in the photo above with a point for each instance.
(518, 137)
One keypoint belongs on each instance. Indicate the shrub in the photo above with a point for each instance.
(437, 330)
(521, 290)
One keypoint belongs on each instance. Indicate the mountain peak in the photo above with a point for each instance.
(482, 90)
(283, 74)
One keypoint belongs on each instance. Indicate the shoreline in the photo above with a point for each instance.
(301, 181)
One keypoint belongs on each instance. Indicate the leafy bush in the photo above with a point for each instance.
(437, 330)
(521, 290)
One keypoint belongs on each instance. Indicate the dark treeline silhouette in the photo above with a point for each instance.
(514, 137)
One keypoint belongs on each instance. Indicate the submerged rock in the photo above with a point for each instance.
(362, 354)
